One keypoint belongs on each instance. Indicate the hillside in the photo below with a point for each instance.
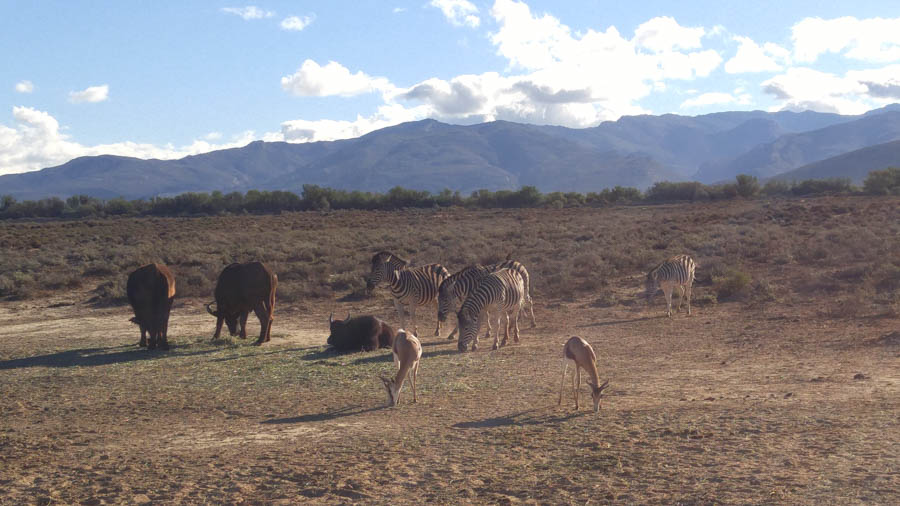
(854, 165)
(796, 150)
(429, 155)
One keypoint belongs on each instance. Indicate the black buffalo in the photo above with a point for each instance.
(151, 290)
(366, 333)
(242, 288)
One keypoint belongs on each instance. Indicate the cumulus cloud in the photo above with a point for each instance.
(555, 77)
(665, 34)
(314, 80)
(803, 88)
(740, 97)
(91, 94)
(871, 40)
(35, 141)
(751, 57)
(458, 12)
(296, 23)
(249, 12)
(24, 86)
(326, 130)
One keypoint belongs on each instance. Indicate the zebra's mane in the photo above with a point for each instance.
(386, 256)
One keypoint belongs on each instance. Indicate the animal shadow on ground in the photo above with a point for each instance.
(91, 357)
(618, 322)
(321, 417)
(390, 358)
(274, 352)
(528, 417)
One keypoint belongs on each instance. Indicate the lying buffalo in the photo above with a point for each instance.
(366, 333)
(243, 288)
(151, 290)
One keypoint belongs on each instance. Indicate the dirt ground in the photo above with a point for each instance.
(729, 405)
(788, 399)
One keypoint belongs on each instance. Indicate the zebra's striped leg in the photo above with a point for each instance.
(412, 316)
(531, 308)
(680, 298)
(453, 332)
(562, 384)
(667, 291)
(505, 328)
(516, 324)
(689, 289)
(400, 313)
(437, 332)
(497, 332)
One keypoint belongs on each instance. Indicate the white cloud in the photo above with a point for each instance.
(458, 12)
(398, 10)
(314, 80)
(296, 23)
(751, 57)
(882, 85)
(803, 88)
(91, 94)
(706, 99)
(326, 130)
(739, 97)
(665, 34)
(35, 141)
(249, 12)
(871, 40)
(556, 77)
(24, 86)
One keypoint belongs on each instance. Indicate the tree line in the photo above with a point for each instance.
(313, 197)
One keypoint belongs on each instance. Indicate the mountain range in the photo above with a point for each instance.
(634, 151)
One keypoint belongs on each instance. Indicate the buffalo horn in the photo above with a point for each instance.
(331, 318)
(348, 316)
(209, 308)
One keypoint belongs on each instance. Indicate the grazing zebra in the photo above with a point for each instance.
(410, 286)
(455, 288)
(498, 293)
(676, 271)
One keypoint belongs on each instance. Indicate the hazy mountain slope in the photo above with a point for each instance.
(854, 165)
(633, 151)
(795, 150)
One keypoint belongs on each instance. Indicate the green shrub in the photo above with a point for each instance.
(733, 284)
(883, 182)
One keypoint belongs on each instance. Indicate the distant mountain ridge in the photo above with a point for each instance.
(634, 151)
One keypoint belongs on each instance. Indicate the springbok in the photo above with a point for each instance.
(407, 351)
(580, 352)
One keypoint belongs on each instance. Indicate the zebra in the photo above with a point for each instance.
(455, 288)
(410, 286)
(677, 271)
(498, 293)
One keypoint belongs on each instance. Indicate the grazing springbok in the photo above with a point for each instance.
(407, 351)
(580, 352)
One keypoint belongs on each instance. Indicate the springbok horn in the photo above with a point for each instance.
(604, 385)
(209, 309)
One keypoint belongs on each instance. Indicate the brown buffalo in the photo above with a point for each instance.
(151, 290)
(243, 288)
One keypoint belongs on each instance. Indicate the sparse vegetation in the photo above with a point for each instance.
(794, 370)
(316, 198)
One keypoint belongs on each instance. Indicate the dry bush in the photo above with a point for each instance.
(829, 245)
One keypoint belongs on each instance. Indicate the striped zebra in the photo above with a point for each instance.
(677, 271)
(498, 294)
(410, 286)
(455, 288)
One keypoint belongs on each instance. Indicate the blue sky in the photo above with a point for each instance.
(165, 79)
